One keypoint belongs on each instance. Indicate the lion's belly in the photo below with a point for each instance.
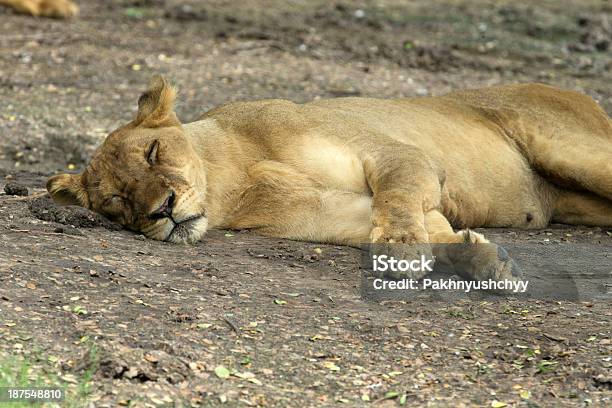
(504, 192)
(516, 210)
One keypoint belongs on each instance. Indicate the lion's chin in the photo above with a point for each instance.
(189, 231)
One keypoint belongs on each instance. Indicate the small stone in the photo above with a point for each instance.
(13, 188)
(131, 373)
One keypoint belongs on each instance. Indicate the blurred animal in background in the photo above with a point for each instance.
(43, 8)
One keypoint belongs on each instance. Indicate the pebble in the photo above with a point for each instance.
(13, 188)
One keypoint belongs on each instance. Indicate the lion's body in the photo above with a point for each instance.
(355, 170)
(482, 144)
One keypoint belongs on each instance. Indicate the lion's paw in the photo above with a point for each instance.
(478, 259)
(408, 234)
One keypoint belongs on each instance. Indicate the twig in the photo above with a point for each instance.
(231, 324)
(63, 234)
(29, 197)
(555, 338)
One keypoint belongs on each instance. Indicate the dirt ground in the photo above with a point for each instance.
(241, 320)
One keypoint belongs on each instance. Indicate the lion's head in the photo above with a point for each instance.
(146, 175)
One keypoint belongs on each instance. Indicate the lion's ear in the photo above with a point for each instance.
(67, 189)
(156, 105)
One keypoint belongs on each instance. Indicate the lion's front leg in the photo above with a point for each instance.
(405, 186)
(398, 217)
(399, 231)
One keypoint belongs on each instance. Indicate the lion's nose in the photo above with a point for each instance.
(165, 210)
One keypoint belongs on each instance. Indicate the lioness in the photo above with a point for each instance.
(43, 8)
(356, 170)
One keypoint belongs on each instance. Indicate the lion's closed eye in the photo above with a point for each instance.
(115, 208)
(114, 201)
(152, 153)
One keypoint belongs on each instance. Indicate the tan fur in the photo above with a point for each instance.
(43, 8)
(355, 170)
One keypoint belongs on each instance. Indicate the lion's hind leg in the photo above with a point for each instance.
(582, 208)
(574, 150)
(584, 165)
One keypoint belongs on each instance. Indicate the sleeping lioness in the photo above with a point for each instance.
(357, 170)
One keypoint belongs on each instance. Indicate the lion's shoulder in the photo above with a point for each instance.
(261, 117)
